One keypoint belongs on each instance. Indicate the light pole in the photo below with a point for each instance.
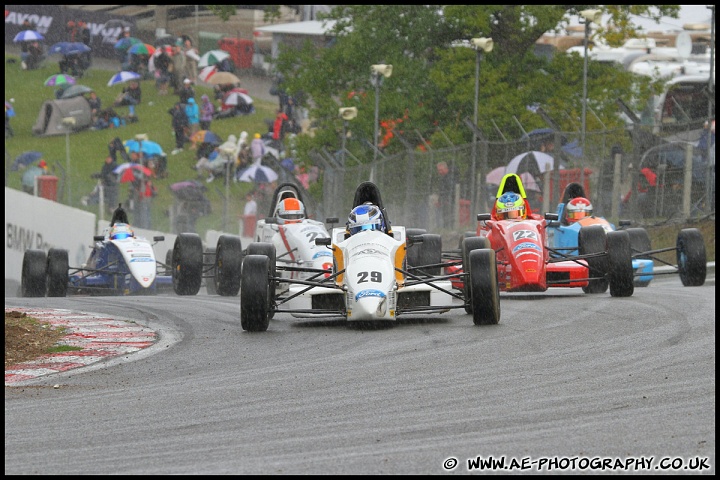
(480, 45)
(346, 114)
(377, 73)
(590, 16)
(228, 153)
(68, 123)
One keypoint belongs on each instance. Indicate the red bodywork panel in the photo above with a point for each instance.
(522, 257)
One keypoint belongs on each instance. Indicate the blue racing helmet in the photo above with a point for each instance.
(120, 231)
(510, 205)
(365, 217)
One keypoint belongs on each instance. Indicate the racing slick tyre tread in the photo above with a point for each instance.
(255, 293)
(57, 272)
(429, 252)
(412, 258)
(467, 245)
(639, 243)
(620, 272)
(592, 239)
(32, 283)
(209, 258)
(484, 291)
(267, 249)
(187, 263)
(168, 262)
(691, 257)
(228, 262)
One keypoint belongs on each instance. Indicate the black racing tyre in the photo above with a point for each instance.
(33, 273)
(168, 262)
(255, 293)
(484, 290)
(412, 257)
(464, 236)
(187, 264)
(267, 249)
(592, 239)
(209, 258)
(57, 272)
(469, 244)
(639, 242)
(228, 263)
(691, 257)
(620, 272)
(429, 252)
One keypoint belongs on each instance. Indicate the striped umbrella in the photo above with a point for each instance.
(122, 77)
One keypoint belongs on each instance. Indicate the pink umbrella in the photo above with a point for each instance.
(496, 175)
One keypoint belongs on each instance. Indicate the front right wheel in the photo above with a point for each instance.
(691, 257)
(255, 293)
(187, 264)
(33, 273)
(484, 290)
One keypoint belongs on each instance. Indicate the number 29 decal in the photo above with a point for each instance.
(373, 277)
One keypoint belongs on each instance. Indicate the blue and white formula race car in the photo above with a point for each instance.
(120, 263)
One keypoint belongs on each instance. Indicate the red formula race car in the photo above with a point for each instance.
(526, 263)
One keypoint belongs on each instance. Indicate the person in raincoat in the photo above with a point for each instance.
(193, 113)
(207, 110)
(28, 178)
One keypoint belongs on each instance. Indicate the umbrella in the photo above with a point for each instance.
(60, 79)
(126, 42)
(68, 48)
(189, 190)
(221, 78)
(207, 72)
(141, 49)
(522, 163)
(212, 57)
(496, 175)
(206, 136)
(122, 77)
(28, 178)
(148, 147)
(28, 36)
(75, 91)
(25, 159)
(127, 171)
(237, 98)
(258, 173)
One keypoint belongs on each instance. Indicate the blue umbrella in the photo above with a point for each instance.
(126, 42)
(28, 36)
(69, 48)
(149, 148)
(25, 159)
(122, 77)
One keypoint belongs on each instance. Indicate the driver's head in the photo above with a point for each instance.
(290, 210)
(577, 209)
(510, 206)
(120, 231)
(365, 217)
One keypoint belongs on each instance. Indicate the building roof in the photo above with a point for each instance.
(310, 27)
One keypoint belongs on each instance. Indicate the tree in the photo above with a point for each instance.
(433, 82)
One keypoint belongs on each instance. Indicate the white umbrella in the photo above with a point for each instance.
(212, 57)
(28, 36)
(207, 72)
(122, 77)
(543, 163)
(237, 98)
(257, 172)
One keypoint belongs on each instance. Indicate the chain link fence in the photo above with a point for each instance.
(629, 173)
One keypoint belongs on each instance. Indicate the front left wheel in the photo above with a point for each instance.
(187, 264)
(57, 272)
(620, 274)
